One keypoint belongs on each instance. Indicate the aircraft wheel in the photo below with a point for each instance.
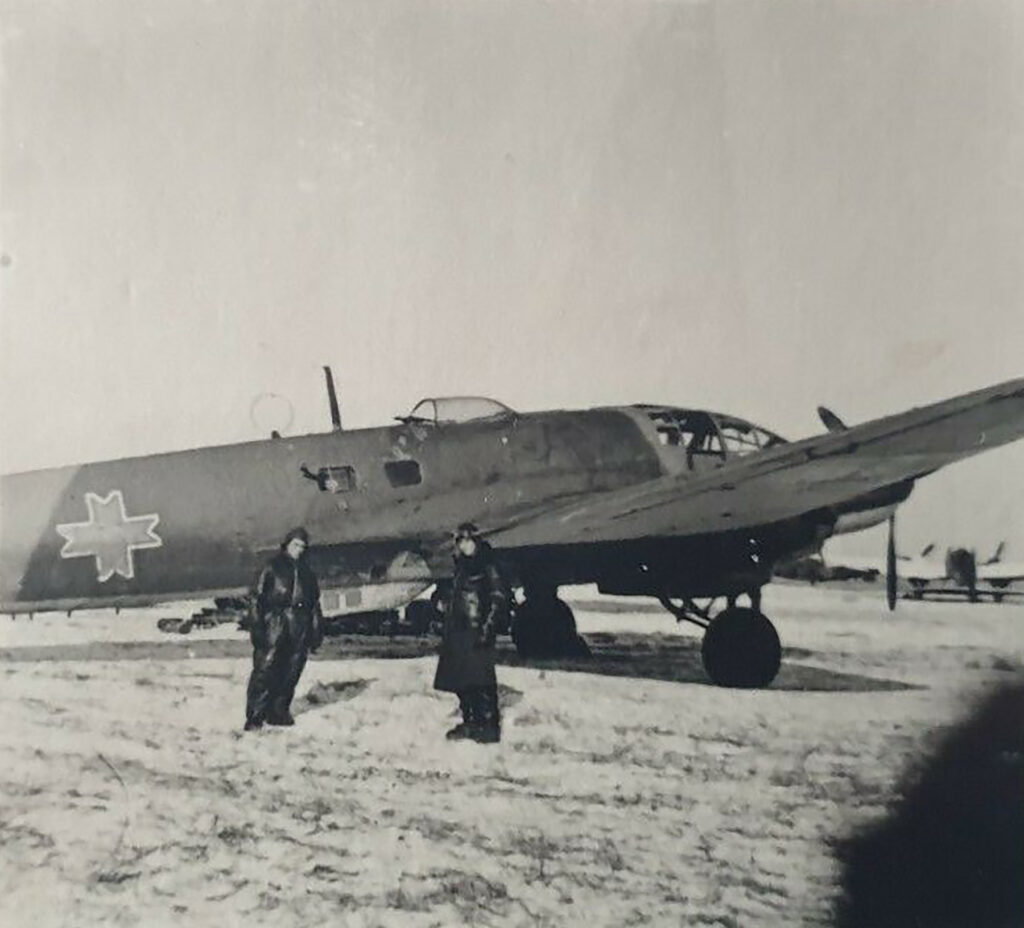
(741, 649)
(540, 627)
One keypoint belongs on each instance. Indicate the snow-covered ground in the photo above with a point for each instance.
(633, 794)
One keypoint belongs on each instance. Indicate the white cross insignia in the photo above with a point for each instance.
(109, 535)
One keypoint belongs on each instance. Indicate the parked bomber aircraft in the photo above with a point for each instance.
(928, 575)
(650, 500)
(913, 570)
(931, 575)
(965, 576)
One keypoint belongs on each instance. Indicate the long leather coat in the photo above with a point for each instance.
(478, 600)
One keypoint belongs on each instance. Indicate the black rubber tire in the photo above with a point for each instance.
(546, 630)
(741, 649)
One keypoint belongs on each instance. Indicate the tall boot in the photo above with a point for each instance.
(280, 713)
(487, 721)
(293, 661)
(464, 728)
(259, 693)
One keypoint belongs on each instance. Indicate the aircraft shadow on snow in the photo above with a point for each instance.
(670, 658)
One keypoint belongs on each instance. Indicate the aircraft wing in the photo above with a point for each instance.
(1003, 572)
(787, 481)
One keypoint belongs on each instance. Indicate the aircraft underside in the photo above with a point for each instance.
(697, 579)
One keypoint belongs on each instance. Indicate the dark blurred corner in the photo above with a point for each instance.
(951, 851)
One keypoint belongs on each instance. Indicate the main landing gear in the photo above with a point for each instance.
(544, 626)
(741, 647)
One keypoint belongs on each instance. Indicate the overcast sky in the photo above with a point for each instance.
(754, 207)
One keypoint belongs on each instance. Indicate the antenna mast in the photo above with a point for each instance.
(332, 399)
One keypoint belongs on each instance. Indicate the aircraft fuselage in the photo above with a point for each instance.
(199, 521)
(378, 502)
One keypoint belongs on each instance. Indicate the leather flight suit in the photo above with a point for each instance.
(286, 625)
(466, 664)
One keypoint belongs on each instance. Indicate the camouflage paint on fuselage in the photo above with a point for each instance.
(198, 522)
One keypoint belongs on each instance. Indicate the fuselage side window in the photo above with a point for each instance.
(336, 479)
(403, 473)
(339, 479)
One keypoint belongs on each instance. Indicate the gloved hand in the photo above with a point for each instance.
(317, 635)
(486, 632)
(258, 632)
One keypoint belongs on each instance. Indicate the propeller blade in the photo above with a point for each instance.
(830, 420)
(890, 565)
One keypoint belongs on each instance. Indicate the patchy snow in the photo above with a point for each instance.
(131, 797)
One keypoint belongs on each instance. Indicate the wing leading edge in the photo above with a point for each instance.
(788, 481)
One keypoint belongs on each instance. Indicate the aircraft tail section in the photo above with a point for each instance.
(997, 556)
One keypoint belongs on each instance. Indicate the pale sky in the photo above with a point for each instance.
(753, 207)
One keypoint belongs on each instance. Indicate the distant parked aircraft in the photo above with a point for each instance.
(957, 574)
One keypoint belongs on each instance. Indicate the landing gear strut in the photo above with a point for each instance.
(741, 647)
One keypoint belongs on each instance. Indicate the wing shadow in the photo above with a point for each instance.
(671, 658)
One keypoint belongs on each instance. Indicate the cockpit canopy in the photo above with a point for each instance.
(443, 410)
(704, 433)
(742, 437)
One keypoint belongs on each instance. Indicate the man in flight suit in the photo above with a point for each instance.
(286, 624)
(479, 598)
